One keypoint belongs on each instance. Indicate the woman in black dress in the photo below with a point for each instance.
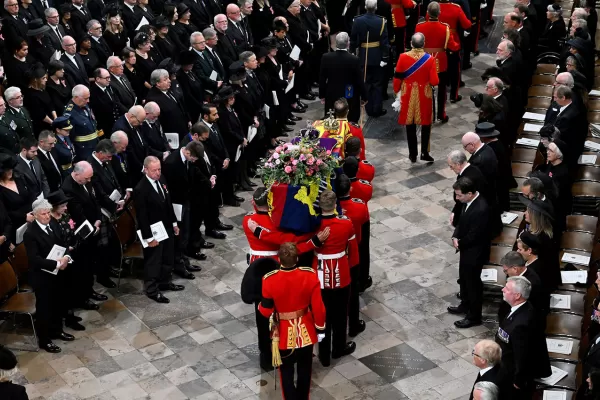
(233, 133)
(144, 63)
(57, 86)
(261, 19)
(154, 52)
(193, 92)
(164, 41)
(38, 101)
(17, 65)
(183, 28)
(129, 69)
(65, 19)
(115, 34)
(8, 370)
(89, 56)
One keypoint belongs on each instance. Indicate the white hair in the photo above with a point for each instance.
(521, 285)
(49, 11)
(11, 93)
(117, 136)
(151, 107)
(195, 35)
(79, 91)
(157, 75)
(112, 61)
(457, 157)
(552, 146)
(489, 390)
(41, 205)
(371, 5)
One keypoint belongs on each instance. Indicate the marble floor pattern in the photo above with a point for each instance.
(203, 344)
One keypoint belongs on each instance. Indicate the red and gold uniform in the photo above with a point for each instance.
(293, 297)
(357, 211)
(356, 131)
(399, 21)
(361, 189)
(267, 238)
(366, 171)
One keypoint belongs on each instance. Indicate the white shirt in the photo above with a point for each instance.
(515, 308)
(96, 158)
(153, 184)
(472, 200)
(563, 108)
(484, 370)
(463, 169)
(72, 58)
(128, 6)
(183, 157)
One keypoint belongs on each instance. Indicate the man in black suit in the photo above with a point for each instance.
(74, 67)
(80, 16)
(152, 132)
(236, 30)
(137, 150)
(104, 102)
(179, 174)
(571, 122)
(50, 166)
(30, 167)
(173, 117)
(153, 205)
(119, 162)
(129, 17)
(99, 45)
(341, 76)
(14, 29)
(97, 9)
(522, 342)
(507, 64)
(104, 176)
(212, 52)
(202, 17)
(472, 239)
(46, 275)
(142, 10)
(204, 66)
(486, 357)
(226, 46)
(56, 32)
(119, 82)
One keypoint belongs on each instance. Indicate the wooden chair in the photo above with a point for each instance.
(587, 174)
(11, 301)
(564, 325)
(524, 155)
(517, 190)
(540, 91)
(497, 252)
(594, 117)
(582, 223)
(577, 241)
(520, 170)
(542, 80)
(577, 303)
(20, 263)
(507, 237)
(569, 382)
(131, 248)
(546, 69)
(596, 82)
(538, 103)
(594, 105)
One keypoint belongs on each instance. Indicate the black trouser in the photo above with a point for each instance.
(364, 253)
(182, 240)
(83, 273)
(354, 304)
(198, 213)
(399, 40)
(471, 287)
(441, 95)
(158, 265)
(453, 73)
(301, 357)
(411, 137)
(264, 336)
(49, 306)
(224, 183)
(374, 90)
(336, 307)
(211, 218)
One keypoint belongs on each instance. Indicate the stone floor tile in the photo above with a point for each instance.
(206, 335)
(352, 369)
(220, 378)
(132, 391)
(156, 351)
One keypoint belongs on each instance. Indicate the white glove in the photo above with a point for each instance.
(396, 104)
(320, 337)
(466, 33)
(482, 6)
(382, 64)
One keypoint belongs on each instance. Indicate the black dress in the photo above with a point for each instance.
(60, 94)
(68, 29)
(193, 93)
(39, 104)
(91, 62)
(547, 266)
(116, 41)
(137, 81)
(15, 70)
(17, 204)
(261, 21)
(144, 67)
(12, 391)
(167, 46)
(184, 31)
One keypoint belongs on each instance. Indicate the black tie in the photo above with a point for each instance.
(45, 3)
(32, 169)
(160, 192)
(209, 59)
(50, 231)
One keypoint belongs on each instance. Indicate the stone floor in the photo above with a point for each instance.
(203, 344)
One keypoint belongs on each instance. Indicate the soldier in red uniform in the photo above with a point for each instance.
(414, 79)
(399, 22)
(359, 188)
(333, 262)
(454, 16)
(366, 170)
(291, 295)
(358, 212)
(438, 39)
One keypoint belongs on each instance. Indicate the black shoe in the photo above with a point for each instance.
(215, 234)
(224, 227)
(467, 323)
(475, 53)
(197, 256)
(367, 284)
(183, 274)
(298, 110)
(462, 84)
(308, 96)
(457, 310)
(468, 66)
(287, 129)
(266, 361)
(427, 157)
(294, 118)
(160, 298)
(360, 328)
(65, 337)
(238, 198)
(413, 159)
(89, 305)
(76, 326)
(207, 245)
(72, 317)
(458, 98)
(302, 104)
(252, 184)
(483, 35)
(489, 22)
(349, 349)
(290, 122)
(106, 282)
(98, 297)
(246, 187)
(172, 287)
(444, 119)
(50, 347)
(193, 268)
(325, 361)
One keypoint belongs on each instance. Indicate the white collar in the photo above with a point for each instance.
(43, 151)
(130, 7)
(96, 158)
(515, 308)
(182, 156)
(479, 148)
(463, 169)
(42, 225)
(519, 30)
(71, 56)
(24, 159)
(208, 124)
(341, 50)
(564, 107)
(102, 88)
(152, 181)
(472, 200)
(97, 39)
(495, 97)
(484, 370)
(528, 263)
(77, 7)
(523, 273)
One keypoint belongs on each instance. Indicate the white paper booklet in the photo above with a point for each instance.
(594, 93)
(56, 253)
(560, 346)
(295, 54)
(143, 22)
(252, 132)
(555, 395)
(20, 232)
(574, 276)
(528, 142)
(532, 127)
(115, 196)
(589, 159)
(159, 233)
(557, 375)
(178, 208)
(576, 259)
(173, 139)
(592, 145)
(562, 301)
(238, 153)
(290, 84)
(86, 228)
(508, 217)
(534, 116)
(489, 275)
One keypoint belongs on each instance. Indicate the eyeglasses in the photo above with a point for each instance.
(104, 77)
(69, 45)
(12, 5)
(475, 354)
(198, 42)
(467, 145)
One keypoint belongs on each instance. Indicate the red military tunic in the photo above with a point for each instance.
(437, 40)
(361, 189)
(366, 171)
(338, 254)
(356, 131)
(267, 239)
(357, 211)
(398, 15)
(454, 16)
(294, 290)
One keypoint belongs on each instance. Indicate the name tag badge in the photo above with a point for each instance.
(13, 125)
(503, 335)
(555, 109)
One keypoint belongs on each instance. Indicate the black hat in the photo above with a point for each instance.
(62, 122)
(486, 130)
(269, 43)
(8, 360)
(65, 8)
(112, 10)
(140, 38)
(279, 25)
(169, 65)
(161, 21)
(224, 93)
(84, 38)
(237, 72)
(554, 8)
(36, 71)
(477, 99)
(260, 52)
(7, 161)
(36, 27)
(57, 198)
(530, 240)
(187, 57)
(540, 206)
(182, 8)
(562, 146)
(578, 43)
(547, 131)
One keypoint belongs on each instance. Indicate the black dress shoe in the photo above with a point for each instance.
(427, 157)
(76, 326)
(308, 96)
(72, 317)
(489, 22)
(215, 234)
(197, 256)
(360, 328)
(413, 159)
(456, 100)
(298, 110)
(457, 310)
(65, 337)
(468, 66)
(349, 349)
(467, 323)
(207, 245)
(294, 118)
(89, 305)
(367, 284)
(252, 184)
(290, 122)
(183, 274)
(325, 361)
(444, 119)
(50, 347)
(172, 287)
(238, 198)
(287, 129)
(98, 297)
(160, 298)
(483, 35)
(106, 282)
(224, 227)
(462, 84)
(302, 104)
(193, 268)
(475, 53)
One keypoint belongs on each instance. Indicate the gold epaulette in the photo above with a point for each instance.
(308, 269)
(270, 274)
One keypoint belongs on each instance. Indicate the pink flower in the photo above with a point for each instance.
(266, 164)
(319, 162)
(310, 161)
(294, 162)
(277, 162)
(71, 223)
(278, 149)
(294, 168)
(328, 152)
(288, 169)
(302, 157)
(276, 155)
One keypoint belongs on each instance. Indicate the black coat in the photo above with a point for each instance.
(41, 50)
(83, 204)
(151, 208)
(547, 265)
(505, 181)
(216, 148)
(239, 35)
(13, 28)
(75, 75)
(54, 38)
(60, 94)
(193, 92)
(53, 175)
(79, 20)
(106, 107)
(124, 91)
(251, 288)
(227, 50)
(102, 49)
(231, 130)
(120, 166)
(96, 8)
(36, 183)
(554, 32)
(12, 391)
(261, 21)
(104, 177)
(472, 233)
(539, 297)
(15, 70)
(203, 68)
(481, 184)
(38, 244)
(178, 177)
(493, 375)
(131, 20)
(155, 138)
(9, 139)
(202, 16)
(173, 115)
(572, 124)
(136, 150)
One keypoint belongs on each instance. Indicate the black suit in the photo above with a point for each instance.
(55, 39)
(106, 107)
(122, 88)
(239, 36)
(105, 177)
(120, 166)
(131, 20)
(481, 184)
(152, 207)
(102, 49)
(79, 20)
(203, 68)
(153, 135)
(173, 115)
(485, 159)
(12, 391)
(339, 71)
(136, 149)
(37, 183)
(96, 8)
(492, 375)
(572, 124)
(474, 246)
(51, 170)
(75, 75)
(226, 49)
(523, 351)
(510, 69)
(13, 28)
(202, 16)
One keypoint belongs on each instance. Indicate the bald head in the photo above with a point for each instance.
(233, 12)
(136, 115)
(471, 142)
(566, 79)
(82, 172)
